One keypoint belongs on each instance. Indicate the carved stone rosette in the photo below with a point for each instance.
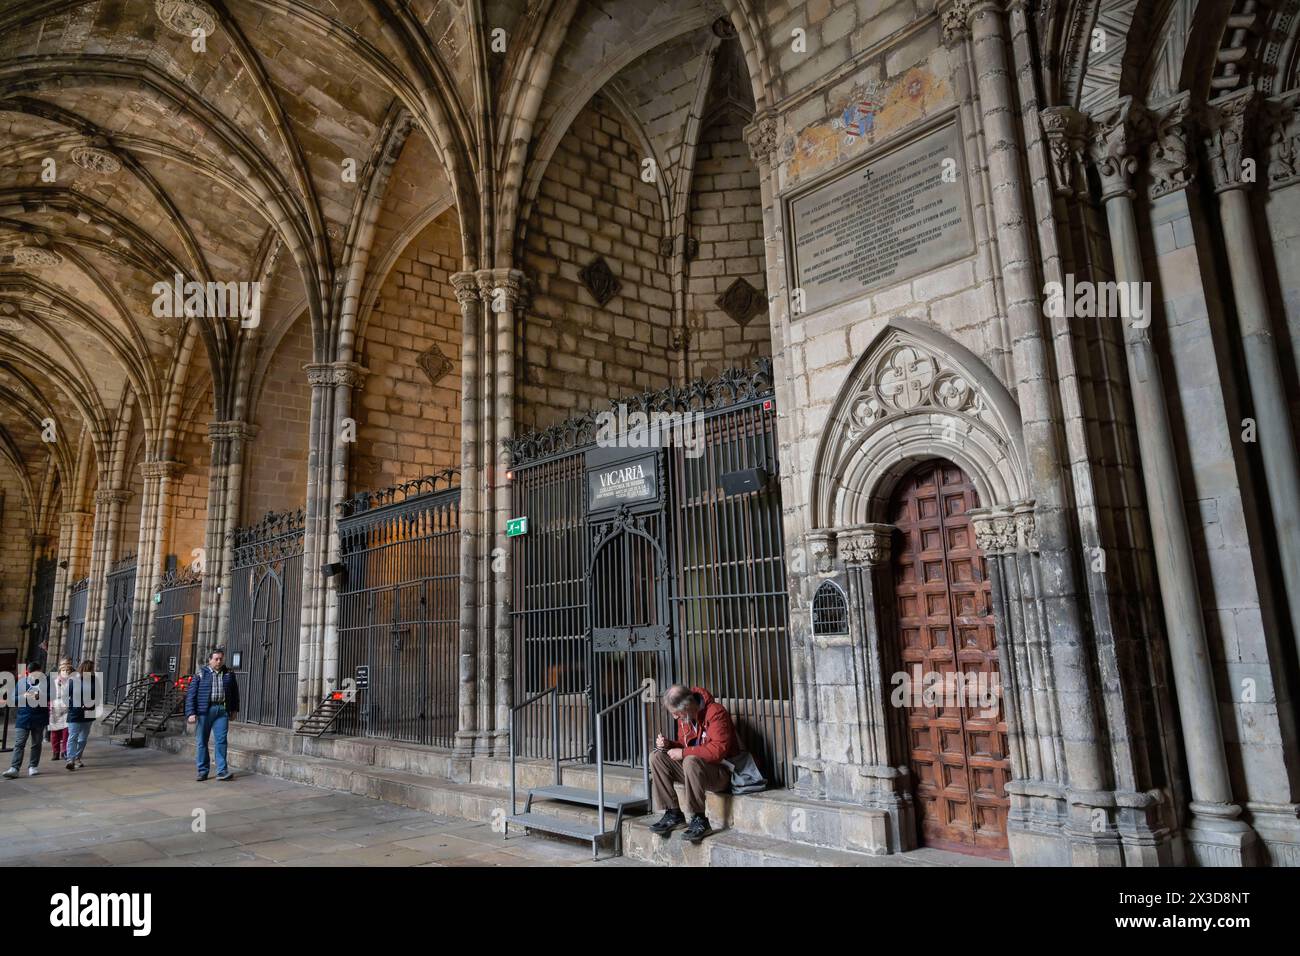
(1005, 529)
(1114, 140)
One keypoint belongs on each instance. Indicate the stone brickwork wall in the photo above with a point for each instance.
(275, 476)
(575, 353)
(408, 426)
(15, 556)
(189, 491)
(727, 220)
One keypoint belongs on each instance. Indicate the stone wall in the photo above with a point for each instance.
(275, 476)
(189, 494)
(408, 426)
(15, 556)
(575, 353)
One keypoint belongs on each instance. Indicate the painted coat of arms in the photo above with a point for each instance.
(858, 116)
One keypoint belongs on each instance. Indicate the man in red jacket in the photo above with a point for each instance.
(705, 737)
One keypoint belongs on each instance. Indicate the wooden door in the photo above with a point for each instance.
(958, 748)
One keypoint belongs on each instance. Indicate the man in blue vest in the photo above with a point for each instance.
(212, 701)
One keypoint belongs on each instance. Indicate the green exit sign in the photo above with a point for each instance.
(516, 526)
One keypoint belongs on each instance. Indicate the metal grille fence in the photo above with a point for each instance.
(588, 594)
(265, 610)
(78, 604)
(176, 623)
(119, 607)
(399, 611)
(38, 626)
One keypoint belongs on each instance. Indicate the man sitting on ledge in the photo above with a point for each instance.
(705, 737)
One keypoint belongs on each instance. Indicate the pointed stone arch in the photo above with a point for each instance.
(915, 394)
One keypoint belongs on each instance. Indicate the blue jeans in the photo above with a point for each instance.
(214, 723)
(78, 734)
(23, 734)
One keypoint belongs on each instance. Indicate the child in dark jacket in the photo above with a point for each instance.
(33, 693)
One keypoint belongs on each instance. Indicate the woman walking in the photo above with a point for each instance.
(83, 700)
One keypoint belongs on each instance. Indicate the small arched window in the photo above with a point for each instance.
(830, 610)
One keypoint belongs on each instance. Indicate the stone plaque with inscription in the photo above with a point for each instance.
(886, 220)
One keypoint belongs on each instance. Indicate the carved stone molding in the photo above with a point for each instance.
(867, 545)
(35, 256)
(1066, 131)
(434, 363)
(1005, 530)
(600, 280)
(1228, 138)
(106, 496)
(349, 373)
(821, 550)
(741, 301)
(230, 431)
(1114, 139)
(1170, 157)
(760, 136)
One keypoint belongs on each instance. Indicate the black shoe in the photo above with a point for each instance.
(200, 778)
(698, 829)
(225, 776)
(669, 822)
(70, 765)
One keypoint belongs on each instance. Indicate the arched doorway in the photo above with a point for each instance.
(956, 739)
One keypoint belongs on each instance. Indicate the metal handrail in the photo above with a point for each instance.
(600, 752)
(554, 692)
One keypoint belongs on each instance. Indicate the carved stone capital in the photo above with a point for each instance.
(760, 135)
(349, 373)
(511, 283)
(954, 21)
(1228, 138)
(1005, 529)
(107, 496)
(466, 286)
(1065, 129)
(230, 431)
(161, 469)
(867, 545)
(1282, 118)
(1114, 140)
(319, 373)
(821, 550)
(1170, 157)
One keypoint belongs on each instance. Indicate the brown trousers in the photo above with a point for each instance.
(700, 776)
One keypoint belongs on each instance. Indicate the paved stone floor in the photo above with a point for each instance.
(137, 808)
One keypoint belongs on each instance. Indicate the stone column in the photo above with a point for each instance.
(1229, 143)
(466, 285)
(108, 517)
(225, 490)
(866, 551)
(504, 295)
(347, 376)
(1086, 771)
(1215, 834)
(155, 516)
(315, 537)
(71, 534)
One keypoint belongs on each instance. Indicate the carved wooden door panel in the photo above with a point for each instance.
(958, 743)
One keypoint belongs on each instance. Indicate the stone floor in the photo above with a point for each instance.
(130, 807)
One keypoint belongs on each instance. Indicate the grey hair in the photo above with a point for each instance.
(677, 695)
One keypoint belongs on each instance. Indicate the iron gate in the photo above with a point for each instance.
(177, 622)
(38, 624)
(265, 610)
(115, 654)
(589, 588)
(78, 603)
(399, 610)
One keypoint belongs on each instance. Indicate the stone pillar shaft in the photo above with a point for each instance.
(466, 285)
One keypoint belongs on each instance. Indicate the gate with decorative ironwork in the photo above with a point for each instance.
(653, 557)
(399, 610)
(265, 610)
(176, 623)
(38, 624)
(119, 610)
(78, 604)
